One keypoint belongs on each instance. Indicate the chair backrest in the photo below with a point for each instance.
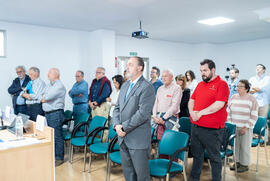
(260, 123)
(111, 133)
(81, 118)
(185, 125)
(230, 130)
(97, 121)
(171, 141)
(68, 114)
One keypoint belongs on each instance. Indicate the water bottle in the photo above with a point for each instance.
(19, 127)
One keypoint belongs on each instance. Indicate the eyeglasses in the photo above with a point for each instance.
(99, 72)
(240, 86)
(19, 72)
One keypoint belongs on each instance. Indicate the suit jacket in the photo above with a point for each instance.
(134, 114)
(16, 88)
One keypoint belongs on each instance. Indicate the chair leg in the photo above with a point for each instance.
(184, 173)
(266, 154)
(168, 177)
(84, 158)
(208, 161)
(89, 164)
(258, 154)
(71, 154)
(108, 170)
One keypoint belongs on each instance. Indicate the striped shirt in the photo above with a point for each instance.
(243, 111)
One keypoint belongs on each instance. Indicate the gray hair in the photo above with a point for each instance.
(82, 73)
(20, 67)
(102, 69)
(169, 71)
(35, 69)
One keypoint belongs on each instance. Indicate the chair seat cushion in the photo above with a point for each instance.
(99, 148)
(116, 157)
(255, 142)
(158, 167)
(80, 141)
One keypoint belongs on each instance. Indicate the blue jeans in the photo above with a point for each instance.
(55, 120)
(20, 109)
(33, 110)
(80, 108)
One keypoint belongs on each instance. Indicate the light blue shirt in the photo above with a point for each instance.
(263, 83)
(20, 100)
(79, 88)
(54, 96)
(232, 86)
(38, 87)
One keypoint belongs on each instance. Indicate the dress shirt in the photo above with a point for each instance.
(38, 87)
(54, 96)
(263, 83)
(168, 100)
(79, 88)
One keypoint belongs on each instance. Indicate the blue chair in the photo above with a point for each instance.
(102, 147)
(67, 118)
(259, 132)
(185, 125)
(84, 140)
(81, 118)
(174, 144)
(114, 156)
(225, 152)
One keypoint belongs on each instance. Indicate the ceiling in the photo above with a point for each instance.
(170, 20)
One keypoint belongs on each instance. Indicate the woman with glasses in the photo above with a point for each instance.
(182, 82)
(243, 112)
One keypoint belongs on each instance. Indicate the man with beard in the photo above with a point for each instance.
(207, 107)
(233, 81)
(131, 120)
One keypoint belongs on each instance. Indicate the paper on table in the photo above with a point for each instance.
(17, 143)
(7, 111)
(41, 122)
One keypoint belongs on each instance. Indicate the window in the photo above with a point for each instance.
(2, 43)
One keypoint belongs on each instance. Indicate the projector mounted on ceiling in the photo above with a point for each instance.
(140, 34)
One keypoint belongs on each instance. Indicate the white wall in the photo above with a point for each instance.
(42, 47)
(180, 56)
(245, 55)
(72, 50)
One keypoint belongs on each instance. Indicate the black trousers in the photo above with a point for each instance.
(33, 110)
(206, 139)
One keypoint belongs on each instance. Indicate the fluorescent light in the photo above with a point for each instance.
(216, 21)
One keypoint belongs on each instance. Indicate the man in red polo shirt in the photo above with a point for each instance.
(207, 107)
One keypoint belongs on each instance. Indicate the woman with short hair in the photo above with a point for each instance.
(243, 112)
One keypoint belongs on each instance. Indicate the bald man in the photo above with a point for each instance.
(53, 106)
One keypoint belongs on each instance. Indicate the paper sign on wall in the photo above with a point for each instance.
(41, 123)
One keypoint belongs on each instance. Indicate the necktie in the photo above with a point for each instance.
(129, 89)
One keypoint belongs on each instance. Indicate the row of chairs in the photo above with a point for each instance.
(88, 134)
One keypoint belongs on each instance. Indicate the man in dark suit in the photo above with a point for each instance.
(16, 90)
(131, 120)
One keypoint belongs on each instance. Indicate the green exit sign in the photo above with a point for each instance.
(132, 54)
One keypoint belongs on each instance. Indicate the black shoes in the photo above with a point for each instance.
(242, 168)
